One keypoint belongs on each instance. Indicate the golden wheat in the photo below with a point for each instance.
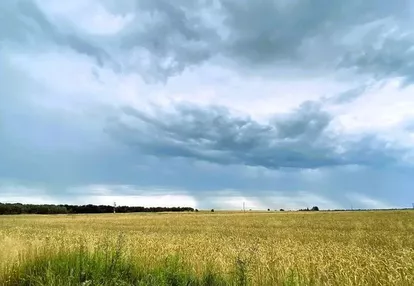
(322, 248)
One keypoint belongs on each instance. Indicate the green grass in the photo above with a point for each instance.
(107, 267)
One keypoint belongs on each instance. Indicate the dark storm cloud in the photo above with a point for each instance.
(300, 139)
(169, 36)
(264, 31)
(370, 37)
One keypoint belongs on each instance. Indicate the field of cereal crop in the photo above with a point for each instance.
(221, 248)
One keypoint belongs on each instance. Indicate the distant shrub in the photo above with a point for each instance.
(282, 210)
(196, 210)
(315, 208)
(212, 210)
(268, 210)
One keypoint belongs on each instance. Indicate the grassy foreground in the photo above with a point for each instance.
(325, 248)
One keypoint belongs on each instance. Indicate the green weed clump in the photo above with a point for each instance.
(104, 269)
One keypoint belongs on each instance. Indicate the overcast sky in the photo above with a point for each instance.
(207, 103)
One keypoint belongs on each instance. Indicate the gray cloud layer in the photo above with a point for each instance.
(301, 139)
(372, 37)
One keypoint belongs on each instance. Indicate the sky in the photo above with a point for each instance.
(208, 103)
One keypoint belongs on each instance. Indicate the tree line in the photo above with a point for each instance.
(17, 208)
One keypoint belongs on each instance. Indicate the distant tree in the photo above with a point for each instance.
(196, 210)
(315, 208)
(282, 210)
(212, 210)
(268, 210)
(8, 209)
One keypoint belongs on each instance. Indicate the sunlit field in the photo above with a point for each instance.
(274, 248)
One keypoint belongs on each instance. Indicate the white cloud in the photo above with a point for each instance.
(147, 201)
(87, 16)
(384, 107)
(363, 201)
(270, 200)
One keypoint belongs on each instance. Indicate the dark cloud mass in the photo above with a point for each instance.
(371, 37)
(281, 29)
(300, 139)
(318, 34)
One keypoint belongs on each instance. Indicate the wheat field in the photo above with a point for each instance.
(273, 248)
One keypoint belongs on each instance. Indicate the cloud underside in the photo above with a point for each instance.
(300, 139)
(370, 37)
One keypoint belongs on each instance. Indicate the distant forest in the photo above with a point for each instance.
(10, 209)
